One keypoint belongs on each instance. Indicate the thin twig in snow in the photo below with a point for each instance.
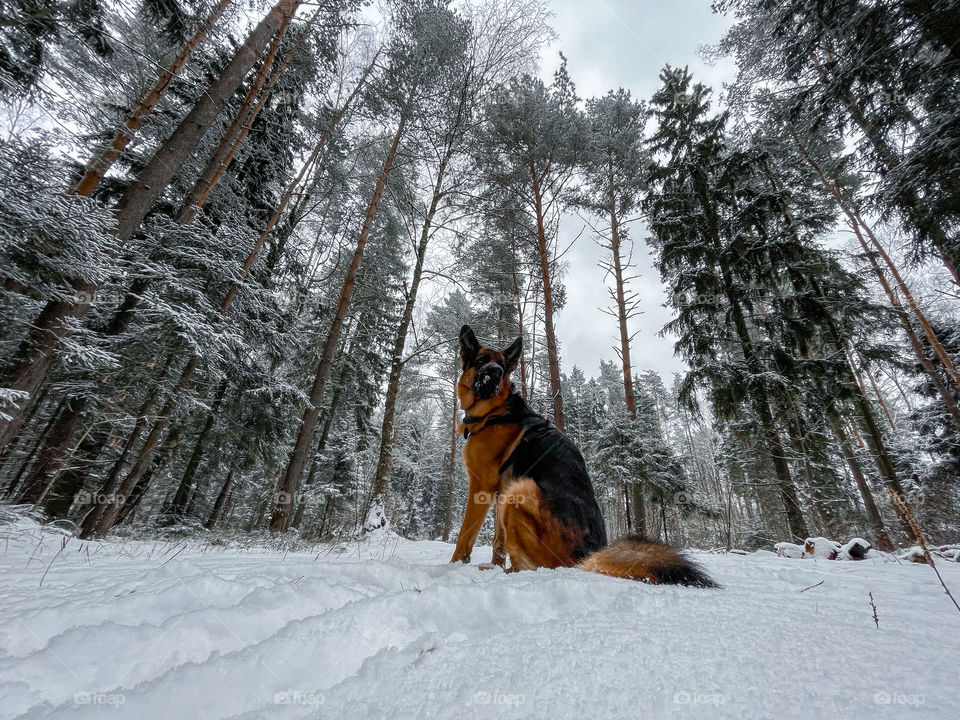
(915, 526)
(63, 544)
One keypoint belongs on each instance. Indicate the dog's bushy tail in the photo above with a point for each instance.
(636, 558)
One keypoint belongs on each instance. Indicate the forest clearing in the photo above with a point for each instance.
(387, 628)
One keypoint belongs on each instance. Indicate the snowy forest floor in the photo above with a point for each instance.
(388, 629)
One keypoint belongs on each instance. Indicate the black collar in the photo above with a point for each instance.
(517, 412)
(487, 421)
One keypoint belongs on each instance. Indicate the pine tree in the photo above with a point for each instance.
(702, 257)
(533, 141)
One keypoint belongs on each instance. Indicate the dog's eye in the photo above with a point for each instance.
(483, 360)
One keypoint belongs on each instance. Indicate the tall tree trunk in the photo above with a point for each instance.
(98, 165)
(302, 504)
(761, 402)
(178, 505)
(908, 201)
(345, 351)
(223, 156)
(901, 284)
(283, 510)
(15, 485)
(291, 188)
(121, 318)
(48, 461)
(327, 506)
(553, 356)
(523, 365)
(70, 477)
(451, 469)
(385, 456)
(36, 354)
(628, 514)
(56, 450)
(878, 449)
(636, 488)
(219, 502)
(108, 516)
(161, 459)
(107, 493)
(144, 191)
(874, 518)
(106, 519)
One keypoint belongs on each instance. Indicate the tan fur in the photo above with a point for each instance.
(532, 537)
(631, 559)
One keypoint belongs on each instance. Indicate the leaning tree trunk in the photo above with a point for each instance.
(144, 191)
(178, 505)
(14, 485)
(219, 502)
(124, 313)
(161, 459)
(861, 228)
(553, 357)
(48, 462)
(283, 509)
(33, 359)
(880, 537)
(925, 325)
(260, 91)
(108, 516)
(909, 200)
(98, 165)
(878, 449)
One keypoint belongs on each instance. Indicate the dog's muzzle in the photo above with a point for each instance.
(487, 381)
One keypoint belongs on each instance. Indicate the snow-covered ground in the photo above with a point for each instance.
(388, 629)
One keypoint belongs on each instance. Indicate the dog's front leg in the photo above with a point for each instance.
(478, 502)
(499, 556)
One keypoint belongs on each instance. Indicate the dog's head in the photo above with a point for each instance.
(485, 378)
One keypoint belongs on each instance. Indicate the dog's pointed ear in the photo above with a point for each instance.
(468, 345)
(512, 354)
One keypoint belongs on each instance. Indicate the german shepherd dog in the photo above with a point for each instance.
(546, 511)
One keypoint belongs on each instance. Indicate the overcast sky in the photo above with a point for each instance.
(611, 44)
